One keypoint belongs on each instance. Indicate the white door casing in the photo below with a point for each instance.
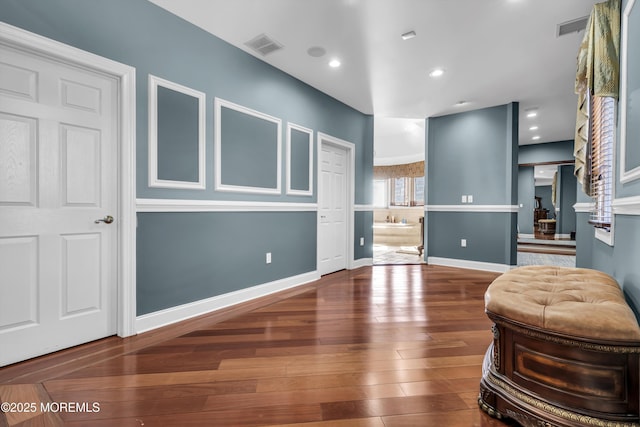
(66, 160)
(335, 204)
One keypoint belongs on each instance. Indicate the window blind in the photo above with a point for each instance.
(602, 126)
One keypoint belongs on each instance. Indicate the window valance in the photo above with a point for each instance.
(410, 170)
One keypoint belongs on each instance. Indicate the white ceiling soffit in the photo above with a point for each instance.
(493, 51)
(397, 141)
(543, 174)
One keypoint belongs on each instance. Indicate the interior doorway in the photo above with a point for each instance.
(398, 215)
(68, 122)
(399, 191)
(549, 239)
(335, 204)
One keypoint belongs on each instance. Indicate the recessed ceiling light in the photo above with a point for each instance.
(461, 103)
(412, 128)
(437, 72)
(535, 138)
(334, 63)
(533, 128)
(316, 51)
(408, 35)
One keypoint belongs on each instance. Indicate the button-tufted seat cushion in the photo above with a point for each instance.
(572, 301)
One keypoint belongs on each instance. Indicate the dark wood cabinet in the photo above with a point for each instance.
(538, 212)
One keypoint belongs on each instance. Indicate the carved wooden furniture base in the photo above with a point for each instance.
(504, 399)
(547, 226)
(546, 378)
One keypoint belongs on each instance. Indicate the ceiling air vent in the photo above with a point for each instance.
(263, 44)
(574, 26)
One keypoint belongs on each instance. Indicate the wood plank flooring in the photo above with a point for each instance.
(383, 346)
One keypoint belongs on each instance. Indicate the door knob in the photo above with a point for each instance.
(107, 220)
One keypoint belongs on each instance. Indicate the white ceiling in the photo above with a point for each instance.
(397, 141)
(543, 174)
(493, 52)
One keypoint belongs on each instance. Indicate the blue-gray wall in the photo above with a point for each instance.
(184, 257)
(363, 228)
(202, 249)
(472, 153)
(568, 185)
(544, 192)
(549, 152)
(177, 132)
(299, 152)
(526, 199)
(621, 259)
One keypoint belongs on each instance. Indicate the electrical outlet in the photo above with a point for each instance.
(463, 243)
(464, 198)
(268, 258)
(362, 241)
(470, 198)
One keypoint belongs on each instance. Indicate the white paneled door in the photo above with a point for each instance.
(332, 209)
(58, 200)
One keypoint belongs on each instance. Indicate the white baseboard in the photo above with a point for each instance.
(473, 265)
(182, 312)
(526, 236)
(362, 262)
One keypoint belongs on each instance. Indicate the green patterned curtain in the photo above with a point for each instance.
(598, 73)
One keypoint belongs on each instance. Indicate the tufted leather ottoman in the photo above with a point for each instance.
(566, 350)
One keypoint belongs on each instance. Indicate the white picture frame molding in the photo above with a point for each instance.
(154, 180)
(634, 173)
(309, 132)
(217, 147)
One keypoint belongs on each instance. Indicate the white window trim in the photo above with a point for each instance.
(604, 235)
(385, 205)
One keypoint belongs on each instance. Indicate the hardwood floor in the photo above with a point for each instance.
(547, 244)
(382, 346)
